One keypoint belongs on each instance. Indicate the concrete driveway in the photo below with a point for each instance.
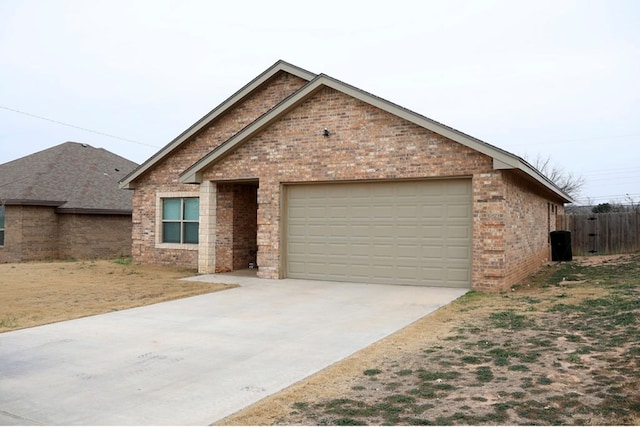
(196, 360)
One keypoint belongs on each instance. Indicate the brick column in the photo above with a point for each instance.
(489, 233)
(268, 238)
(207, 231)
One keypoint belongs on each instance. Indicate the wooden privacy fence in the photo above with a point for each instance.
(603, 233)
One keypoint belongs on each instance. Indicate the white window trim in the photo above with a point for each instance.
(167, 195)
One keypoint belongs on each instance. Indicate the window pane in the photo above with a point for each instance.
(171, 232)
(2, 238)
(191, 209)
(190, 232)
(1, 216)
(171, 209)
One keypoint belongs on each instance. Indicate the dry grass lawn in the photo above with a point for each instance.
(37, 293)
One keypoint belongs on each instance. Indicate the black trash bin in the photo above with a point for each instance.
(561, 246)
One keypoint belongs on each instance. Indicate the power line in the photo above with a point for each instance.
(610, 197)
(534, 144)
(76, 127)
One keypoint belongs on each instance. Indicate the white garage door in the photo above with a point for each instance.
(409, 233)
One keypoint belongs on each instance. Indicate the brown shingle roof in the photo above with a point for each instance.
(71, 176)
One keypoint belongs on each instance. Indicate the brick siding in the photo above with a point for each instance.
(94, 236)
(39, 233)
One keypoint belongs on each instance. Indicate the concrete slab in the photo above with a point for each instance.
(196, 360)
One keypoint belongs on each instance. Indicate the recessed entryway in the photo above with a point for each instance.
(237, 226)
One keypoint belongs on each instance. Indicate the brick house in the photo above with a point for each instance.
(64, 203)
(309, 177)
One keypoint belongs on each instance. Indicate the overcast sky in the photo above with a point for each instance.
(536, 78)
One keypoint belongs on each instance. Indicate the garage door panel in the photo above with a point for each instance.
(406, 215)
(408, 231)
(360, 270)
(360, 250)
(459, 274)
(432, 232)
(431, 253)
(338, 249)
(316, 230)
(458, 253)
(383, 272)
(459, 231)
(359, 231)
(338, 229)
(404, 251)
(383, 231)
(312, 248)
(380, 250)
(313, 268)
(458, 211)
(432, 273)
(416, 233)
(296, 268)
(430, 211)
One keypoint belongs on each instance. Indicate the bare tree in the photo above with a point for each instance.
(634, 206)
(566, 181)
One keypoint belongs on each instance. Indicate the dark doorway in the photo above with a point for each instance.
(237, 226)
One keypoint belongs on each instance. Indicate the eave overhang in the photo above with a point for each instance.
(31, 202)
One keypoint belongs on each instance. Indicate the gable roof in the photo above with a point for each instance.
(501, 159)
(73, 177)
(234, 99)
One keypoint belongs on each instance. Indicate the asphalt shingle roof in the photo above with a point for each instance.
(72, 176)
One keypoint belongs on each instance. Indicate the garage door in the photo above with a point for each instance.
(409, 233)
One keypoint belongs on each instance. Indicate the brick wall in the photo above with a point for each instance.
(39, 233)
(31, 233)
(366, 143)
(12, 249)
(94, 236)
(164, 176)
(530, 217)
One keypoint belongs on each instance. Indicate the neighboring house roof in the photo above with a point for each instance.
(501, 158)
(72, 177)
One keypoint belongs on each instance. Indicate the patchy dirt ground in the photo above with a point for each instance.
(38, 293)
(563, 347)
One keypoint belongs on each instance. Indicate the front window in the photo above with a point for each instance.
(180, 217)
(1, 225)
